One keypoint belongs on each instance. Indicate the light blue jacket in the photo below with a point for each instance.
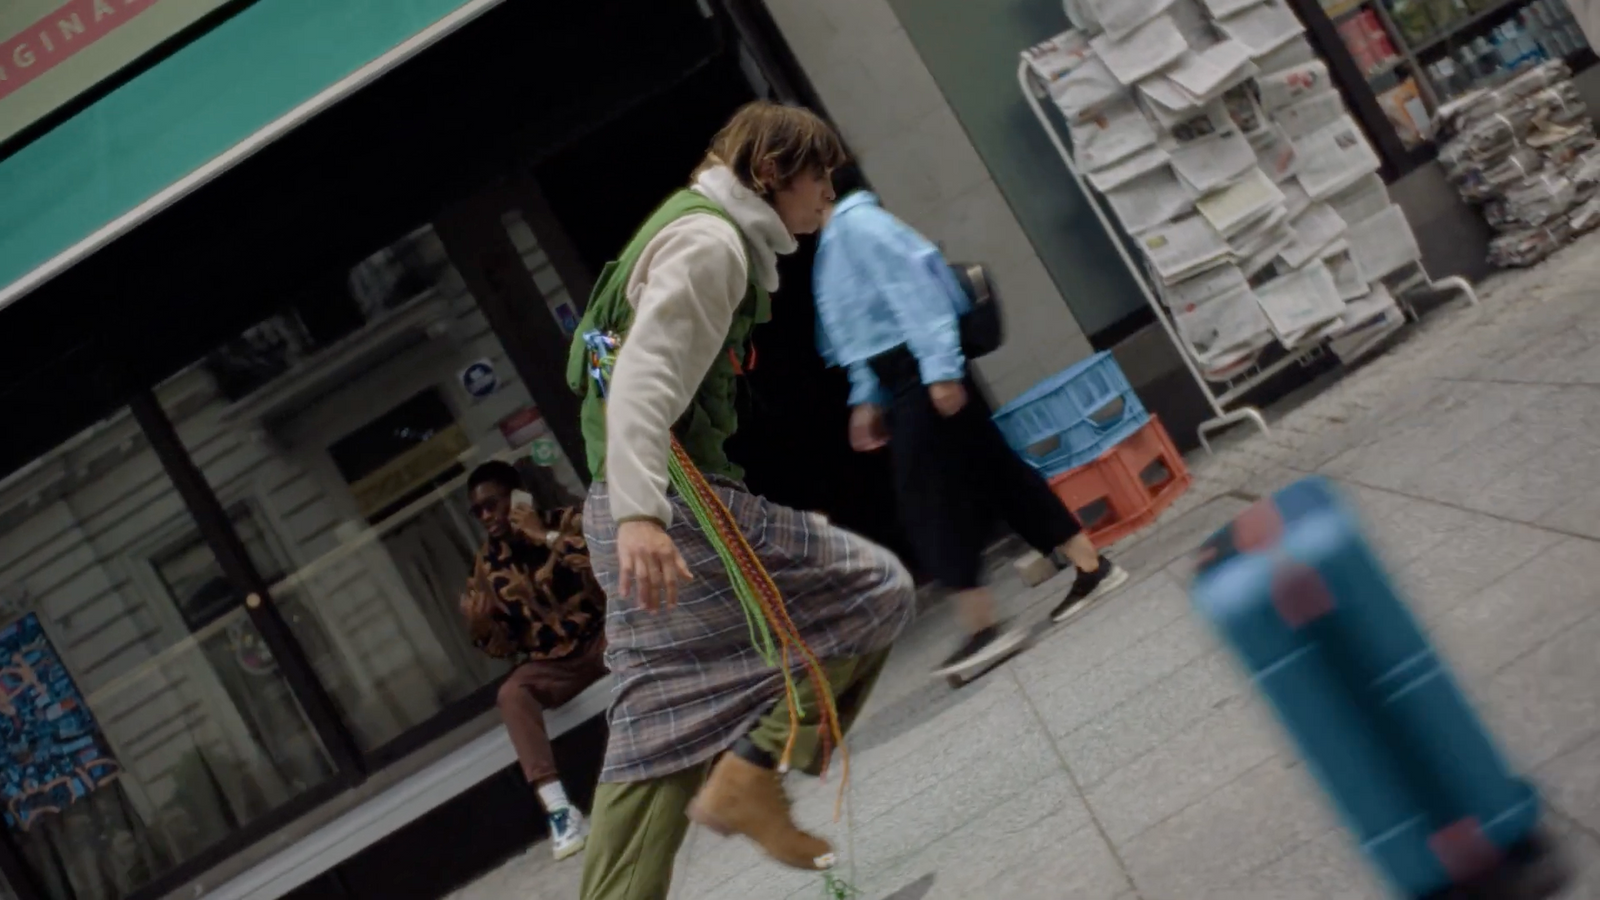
(879, 284)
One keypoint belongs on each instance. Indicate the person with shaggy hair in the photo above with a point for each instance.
(702, 721)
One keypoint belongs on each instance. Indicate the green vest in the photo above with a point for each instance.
(711, 417)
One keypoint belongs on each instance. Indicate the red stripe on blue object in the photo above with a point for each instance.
(1299, 594)
(1464, 851)
(1258, 528)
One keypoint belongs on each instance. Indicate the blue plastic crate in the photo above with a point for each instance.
(1071, 418)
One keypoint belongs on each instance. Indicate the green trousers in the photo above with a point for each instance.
(637, 827)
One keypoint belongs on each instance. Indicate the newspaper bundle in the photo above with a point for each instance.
(1219, 316)
(1220, 143)
(1526, 153)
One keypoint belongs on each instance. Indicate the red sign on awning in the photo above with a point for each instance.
(58, 36)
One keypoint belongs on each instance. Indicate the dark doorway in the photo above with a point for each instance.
(792, 426)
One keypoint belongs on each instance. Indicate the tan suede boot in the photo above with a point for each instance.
(743, 798)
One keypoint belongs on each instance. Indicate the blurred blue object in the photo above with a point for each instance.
(1293, 587)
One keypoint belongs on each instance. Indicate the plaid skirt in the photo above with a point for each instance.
(689, 682)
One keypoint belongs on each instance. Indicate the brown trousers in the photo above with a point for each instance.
(535, 686)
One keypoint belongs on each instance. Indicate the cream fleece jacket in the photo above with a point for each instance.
(684, 291)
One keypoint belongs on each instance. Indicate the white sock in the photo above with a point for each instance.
(554, 797)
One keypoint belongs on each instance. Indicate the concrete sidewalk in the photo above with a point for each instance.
(1124, 757)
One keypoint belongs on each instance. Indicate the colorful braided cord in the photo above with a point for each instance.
(772, 631)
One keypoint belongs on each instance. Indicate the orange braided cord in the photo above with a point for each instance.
(770, 600)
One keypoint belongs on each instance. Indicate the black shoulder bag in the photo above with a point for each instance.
(981, 329)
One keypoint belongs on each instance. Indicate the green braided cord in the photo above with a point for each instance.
(755, 618)
(760, 631)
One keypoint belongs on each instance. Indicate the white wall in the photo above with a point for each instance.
(918, 157)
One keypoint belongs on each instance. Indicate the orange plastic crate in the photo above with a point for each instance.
(1127, 487)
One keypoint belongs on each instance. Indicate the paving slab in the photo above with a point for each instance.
(1268, 813)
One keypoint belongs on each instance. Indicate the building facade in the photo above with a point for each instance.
(275, 275)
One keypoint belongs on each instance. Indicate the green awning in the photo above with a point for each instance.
(199, 112)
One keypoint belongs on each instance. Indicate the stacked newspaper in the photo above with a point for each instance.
(1525, 152)
(1217, 138)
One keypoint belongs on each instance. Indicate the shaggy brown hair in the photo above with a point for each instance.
(795, 140)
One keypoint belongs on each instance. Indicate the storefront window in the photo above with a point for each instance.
(340, 432)
(144, 718)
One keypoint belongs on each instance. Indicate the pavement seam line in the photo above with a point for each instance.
(1077, 788)
(1274, 758)
(1128, 761)
(1340, 830)
(1536, 647)
(1568, 819)
(1465, 509)
(1432, 627)
(1513, 382)
(1128, 699)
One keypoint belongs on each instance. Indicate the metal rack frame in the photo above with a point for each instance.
(1235, 388)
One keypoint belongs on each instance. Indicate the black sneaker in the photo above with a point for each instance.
(982, 649)
(1088, 587)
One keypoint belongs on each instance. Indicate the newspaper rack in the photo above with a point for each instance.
(1224, 396)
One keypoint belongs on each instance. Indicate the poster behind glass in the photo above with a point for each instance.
(55, 754)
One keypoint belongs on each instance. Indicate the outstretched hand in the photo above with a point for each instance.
(648, 560)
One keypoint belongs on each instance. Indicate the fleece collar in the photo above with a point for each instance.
(763, 231)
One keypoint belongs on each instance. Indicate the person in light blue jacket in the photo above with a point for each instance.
(889, 311)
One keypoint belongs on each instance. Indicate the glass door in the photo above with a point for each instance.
(210, 607)
(145, 730)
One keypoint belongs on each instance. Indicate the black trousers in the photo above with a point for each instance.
(955, 478)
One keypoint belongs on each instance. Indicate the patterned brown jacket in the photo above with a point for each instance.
(542, 599)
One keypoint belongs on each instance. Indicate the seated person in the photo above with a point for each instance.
(531, 597)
